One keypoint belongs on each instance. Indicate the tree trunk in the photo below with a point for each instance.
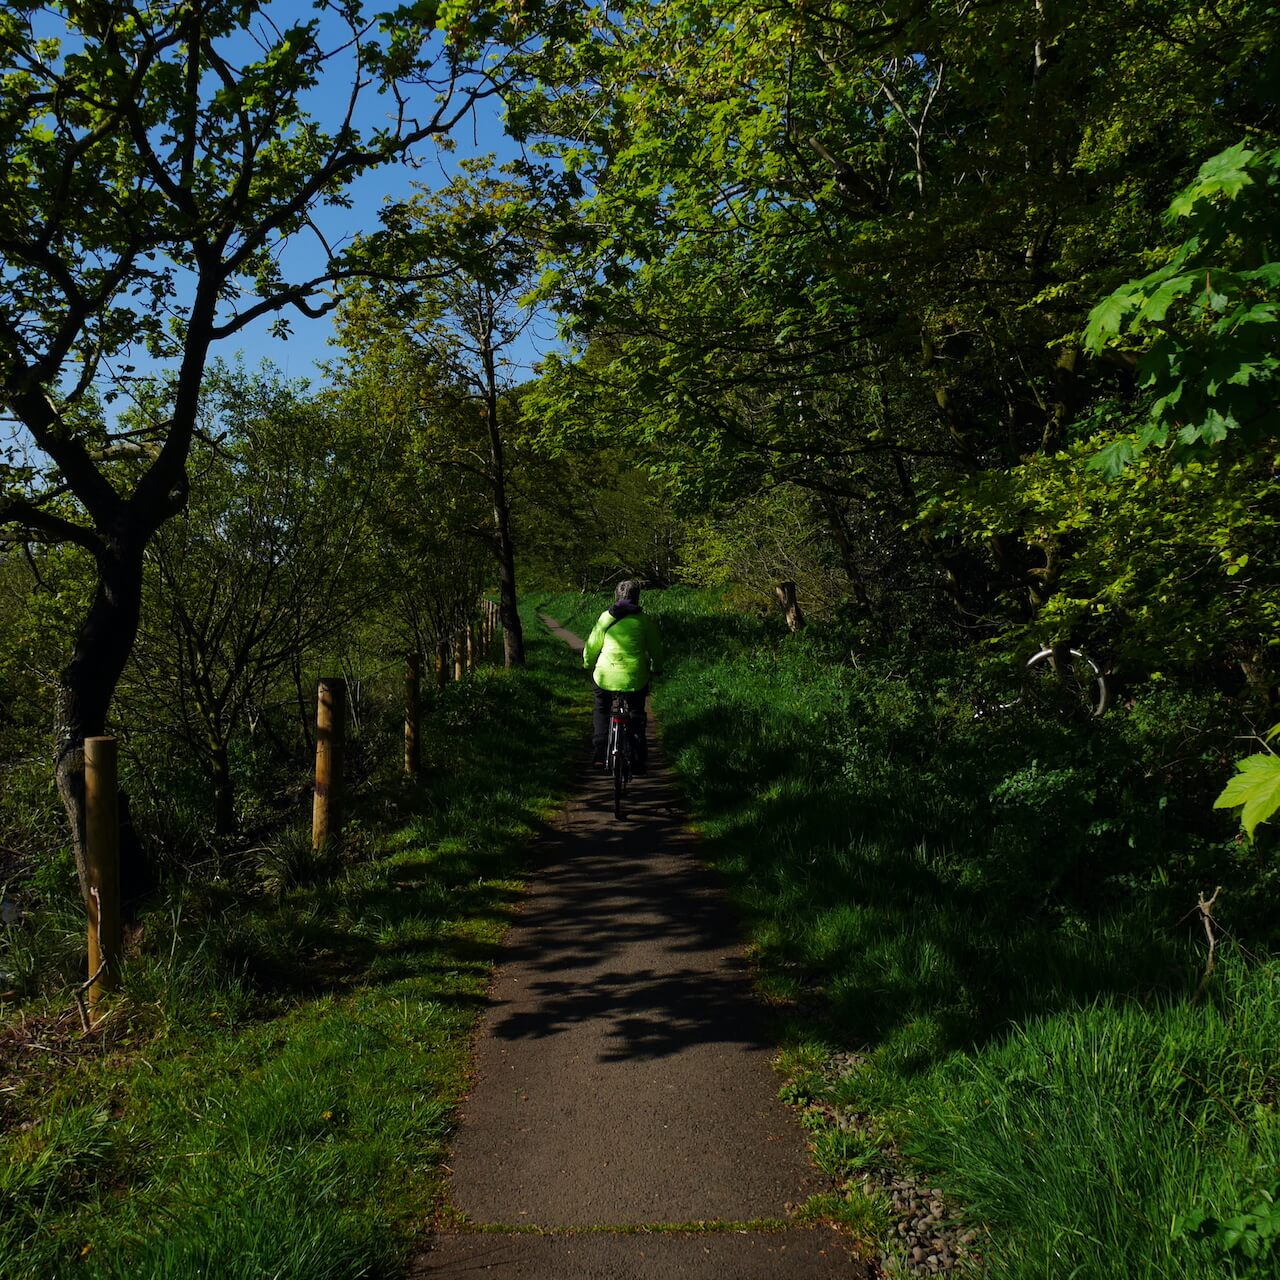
(224, 799)
(304, 712)
(412, 712)
(88, 683)
(1260, 680)
(512, 633)
(848, 558)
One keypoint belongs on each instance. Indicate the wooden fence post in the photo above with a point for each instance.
(331, 715)
(786, 593)
(459, 655)
(412, 704)
(102, 856)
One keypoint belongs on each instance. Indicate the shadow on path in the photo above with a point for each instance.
(627, 931)
(623, 1070)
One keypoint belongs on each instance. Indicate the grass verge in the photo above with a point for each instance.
(983, 920)
(273, 1091)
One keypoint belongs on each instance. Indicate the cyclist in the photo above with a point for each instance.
(623, 653)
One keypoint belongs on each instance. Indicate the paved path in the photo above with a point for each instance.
(622, 1076)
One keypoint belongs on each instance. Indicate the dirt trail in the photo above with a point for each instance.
(622, 1076)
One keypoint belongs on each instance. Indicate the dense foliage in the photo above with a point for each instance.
(854, 254)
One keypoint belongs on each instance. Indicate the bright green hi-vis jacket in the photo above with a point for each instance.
(624, 649)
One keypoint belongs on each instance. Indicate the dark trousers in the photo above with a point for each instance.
(600, 723)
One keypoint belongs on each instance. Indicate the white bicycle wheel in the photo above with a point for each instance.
(1081, 681)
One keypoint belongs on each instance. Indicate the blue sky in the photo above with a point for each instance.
(308, 345)
(309, 342)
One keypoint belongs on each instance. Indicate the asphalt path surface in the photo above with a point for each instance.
(622, 1073)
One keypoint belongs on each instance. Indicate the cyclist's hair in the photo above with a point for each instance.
(627, 591)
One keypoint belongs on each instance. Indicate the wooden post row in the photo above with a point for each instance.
(412, 703)
(331, 715)
(102, 858)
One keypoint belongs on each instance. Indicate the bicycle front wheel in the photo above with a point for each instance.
(1071, 677)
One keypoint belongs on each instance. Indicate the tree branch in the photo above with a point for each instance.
(53, 528)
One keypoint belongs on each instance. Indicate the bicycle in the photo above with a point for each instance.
(618, 753)
(1063, 678)
(1074, 676)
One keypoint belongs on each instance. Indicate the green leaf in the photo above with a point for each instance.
(1158, 303)
(1190, 1222)
(1113, 459)
(1106, 317)
(1225, 173)
(1257, 313)
(1215, 427)
(1247, 373)
(1267, 275)
(1255, 788)
(1166, 402)
(1153, 433)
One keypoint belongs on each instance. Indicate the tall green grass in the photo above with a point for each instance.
(992, 911)
(1088, 1139)
(273, 1092)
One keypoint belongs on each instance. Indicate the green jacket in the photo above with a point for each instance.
(624, 649)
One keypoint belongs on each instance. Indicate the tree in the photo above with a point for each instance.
(1204, 332)
(589, 516)
(430, 532)
(1158, 518)
(851, 250)
(465, 257)
(1204, 328)
(266, 563)
(156, 159)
